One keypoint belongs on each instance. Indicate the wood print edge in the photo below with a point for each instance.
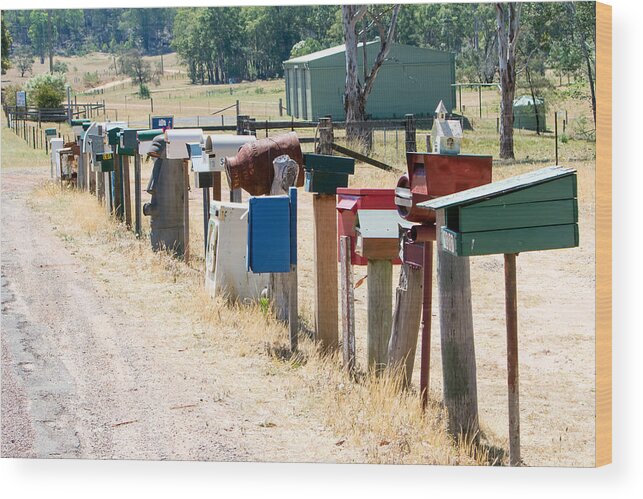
(603, 449)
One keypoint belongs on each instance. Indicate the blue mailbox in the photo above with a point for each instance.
(272, 233)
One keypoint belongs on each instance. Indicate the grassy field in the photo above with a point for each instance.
(556, 302)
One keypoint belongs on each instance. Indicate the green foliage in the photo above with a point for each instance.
(46, 90)
(144, 91)
(134, 66)
(60, 67)
(6, 45)
(91, 80)
(23, 59)
(305, 47)
(9, 94)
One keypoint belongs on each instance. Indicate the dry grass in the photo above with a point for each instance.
(371, 414)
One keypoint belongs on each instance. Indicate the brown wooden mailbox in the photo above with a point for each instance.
(377, 234)
(434, 175)
(530, 212)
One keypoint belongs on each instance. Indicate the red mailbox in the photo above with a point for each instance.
(350, 200)
(435, 175)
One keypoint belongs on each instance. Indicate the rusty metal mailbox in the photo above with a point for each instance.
(434, 175)
(349, 202)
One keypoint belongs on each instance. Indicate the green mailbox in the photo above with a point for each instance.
(324, 174)
(51, 132)
(530, 212)
(106, 161)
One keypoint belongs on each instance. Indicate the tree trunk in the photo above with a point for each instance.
(533, 98)
(508, 19)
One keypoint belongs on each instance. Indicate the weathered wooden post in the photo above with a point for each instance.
(325, 254)
(378, 241)
(127, 200)
(351, 202)
(348, 304)
(408, 299)
(410, 129)
(543, 215)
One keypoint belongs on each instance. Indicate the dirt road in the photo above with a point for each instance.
(84, 375)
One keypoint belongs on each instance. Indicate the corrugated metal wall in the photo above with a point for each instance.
(412, 80)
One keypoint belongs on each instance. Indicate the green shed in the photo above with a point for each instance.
(411, 80)
(525, 114)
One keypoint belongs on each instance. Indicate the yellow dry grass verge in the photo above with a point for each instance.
(15, 152)
(371, 415)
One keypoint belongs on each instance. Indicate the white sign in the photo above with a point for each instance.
(21, 98)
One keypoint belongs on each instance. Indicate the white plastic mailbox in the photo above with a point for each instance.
(218, 147)
(225, 266)
(55, 145)
(177, 140)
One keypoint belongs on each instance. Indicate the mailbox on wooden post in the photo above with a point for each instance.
(531, 212)
(226, 268)
(324, 174)
(377, 240)
(349, 201)
(272, 245)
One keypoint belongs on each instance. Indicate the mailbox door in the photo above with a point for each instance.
(269, 234)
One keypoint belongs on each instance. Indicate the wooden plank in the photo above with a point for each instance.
(500, 187)
(473, 218)
(560, 188)
(362, 158)
(348, 304)
(377, 248)
(326, 306)
(513, 385)
(137, 195)
(510, 240)
(603, 446)
(457, 343)
(186, 211)
(127, 200)
(380, 309)
(427, 302)
(406, 320)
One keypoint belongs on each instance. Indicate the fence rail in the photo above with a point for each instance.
(54, 115)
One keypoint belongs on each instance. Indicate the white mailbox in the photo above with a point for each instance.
(56, 144)
(226, 272)
(219, 147)
(177, 141)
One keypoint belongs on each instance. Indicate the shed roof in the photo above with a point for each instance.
(498, 188)
(406, 50)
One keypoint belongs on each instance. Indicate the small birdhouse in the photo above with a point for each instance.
(446, 134)
(324, 174)
(377, 234)
(530, 212)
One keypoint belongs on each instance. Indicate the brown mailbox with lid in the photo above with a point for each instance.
(434, 175)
